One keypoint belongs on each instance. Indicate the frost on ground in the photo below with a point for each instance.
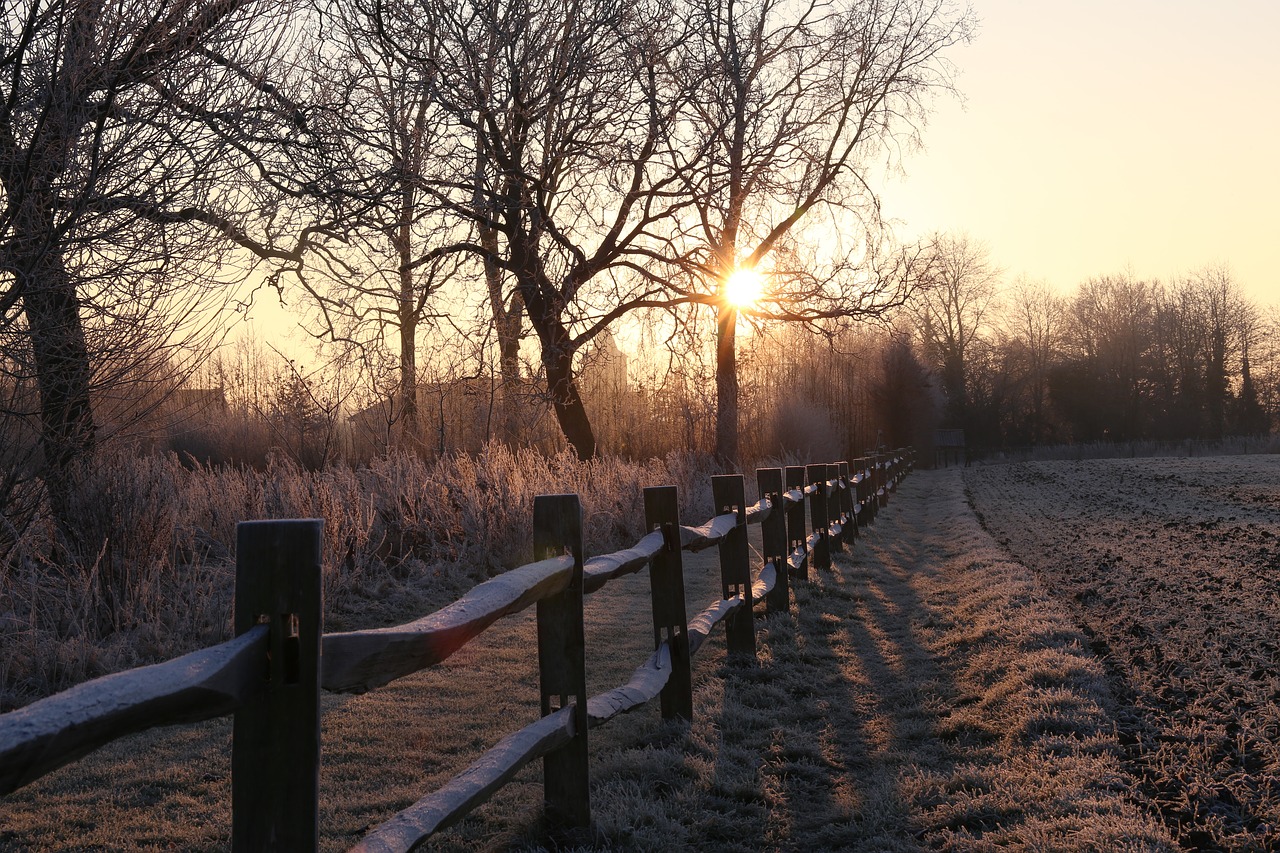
(927, 693)
(1173, 568)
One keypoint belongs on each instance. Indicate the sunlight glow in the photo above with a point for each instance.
(744, 287)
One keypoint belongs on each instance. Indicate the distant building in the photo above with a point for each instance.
(455, 415)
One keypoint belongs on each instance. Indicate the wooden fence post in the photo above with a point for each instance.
(773, 535)
(730, 495)
(871, 502)
(850, 532)
(882, 478)
(797, 532)
(666, 583)
(557, 528)
(817, 474)
(873, 492)
(835, 541)
(855, 475)
(275, 748)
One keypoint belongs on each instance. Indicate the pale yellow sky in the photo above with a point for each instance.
(1100, 135)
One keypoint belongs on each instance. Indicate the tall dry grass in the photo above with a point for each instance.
(152, 573)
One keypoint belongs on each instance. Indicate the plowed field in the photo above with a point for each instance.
(1172, 568)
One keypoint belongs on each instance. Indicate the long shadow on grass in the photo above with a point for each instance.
(814, 740)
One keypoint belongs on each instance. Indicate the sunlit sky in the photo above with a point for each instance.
(1097, 136)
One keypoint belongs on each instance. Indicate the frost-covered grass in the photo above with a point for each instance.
(1172, 566)
(402, 537)
(926, 693)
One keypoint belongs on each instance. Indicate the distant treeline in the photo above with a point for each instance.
(802, 395)
(1014, 365)
(1119, 359)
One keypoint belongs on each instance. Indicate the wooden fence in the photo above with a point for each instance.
(270, 675)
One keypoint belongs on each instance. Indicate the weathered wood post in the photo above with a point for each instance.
(835, 523)
(730, 495)
(855, 476)
(850, 532)
(855, 492)
(835, 534)
(773, 535)
(872, 502)
(666, 583)
(557, 528)
(817, 475)
(797, 531)
(275, 748)
(882, 478)
(865, 491)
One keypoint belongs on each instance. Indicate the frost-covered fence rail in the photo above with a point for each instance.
(269, 677)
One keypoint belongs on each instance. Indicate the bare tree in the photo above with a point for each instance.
(560, 109)
(795, 104)
(952, 313)
(1264, 370)
(366, 291)
(1178, 385)
(1249, 416)
(1228, 318)
(128, 169)
(1032, 319)
(1110, 329)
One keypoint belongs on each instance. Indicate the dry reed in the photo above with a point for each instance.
(152, 572)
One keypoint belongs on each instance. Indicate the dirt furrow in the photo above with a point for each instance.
(1173, 568)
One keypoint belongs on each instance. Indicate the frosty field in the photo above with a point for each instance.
(1172, 567)
(1055, 656)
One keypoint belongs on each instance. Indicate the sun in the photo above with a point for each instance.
(744, 287)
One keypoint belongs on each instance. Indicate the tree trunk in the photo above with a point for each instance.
(507, 320)
(63, 375)
(509, 393)
(567, 402)
(953, 380)
(34, 256)
(408, 432)
(726, 384)
(1216, 380)
(542, 301)
(557, 361)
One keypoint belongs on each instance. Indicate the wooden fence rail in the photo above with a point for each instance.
(270, 675)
